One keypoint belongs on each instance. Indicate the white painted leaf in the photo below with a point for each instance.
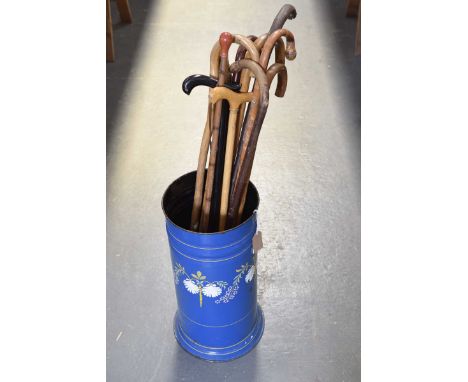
(250, 274)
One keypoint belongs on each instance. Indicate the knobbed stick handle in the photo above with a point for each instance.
(238, 39)
(286, 12)
(225, 41)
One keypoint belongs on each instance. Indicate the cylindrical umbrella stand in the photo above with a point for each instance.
(218, 318)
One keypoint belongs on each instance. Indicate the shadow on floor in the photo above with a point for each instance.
(127, 38)
(344, 33)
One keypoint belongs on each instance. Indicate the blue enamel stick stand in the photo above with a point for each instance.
(215, 275)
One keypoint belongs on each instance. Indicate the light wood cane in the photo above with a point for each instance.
(214, 72)
(203, 154)
(225, 41)
(235, 100)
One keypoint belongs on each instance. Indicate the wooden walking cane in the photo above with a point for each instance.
(203, 154)
(271, 41)
(225, 41)
(199, 183)
(234, 99)
(272, 71)
(222, 138)
(281, 85)
(240, 54)
(280, 55)
(238, 39)
(286, 12)
(251, 131)
(254, 119)
(213, 219)
(187, 86)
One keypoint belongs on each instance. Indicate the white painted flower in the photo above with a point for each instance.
(211, 290)
(191, 286)
(250, 274)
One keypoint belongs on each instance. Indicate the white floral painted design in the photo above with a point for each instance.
(191, 286)
(211, 290)
(197, 283)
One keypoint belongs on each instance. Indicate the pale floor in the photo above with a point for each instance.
(307, 170)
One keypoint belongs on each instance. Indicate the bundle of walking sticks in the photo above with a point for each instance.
(234, 119)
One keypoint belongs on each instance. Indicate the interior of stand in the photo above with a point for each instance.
(178, 201)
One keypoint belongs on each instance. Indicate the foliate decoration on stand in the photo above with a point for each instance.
(197, 283)
(231, 292)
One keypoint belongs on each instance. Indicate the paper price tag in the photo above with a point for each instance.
(257, 242)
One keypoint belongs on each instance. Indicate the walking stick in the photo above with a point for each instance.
(195, 80)
(253, 124)
(286, 12)
(245, 80)
(240, 54)
(234, 99)
(251, 131)
(187, 86)
(225, 41)
(272, 71)
(222, 133)
(270, 43)
(218, 174)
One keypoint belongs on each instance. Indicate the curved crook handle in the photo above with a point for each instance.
(280, 58)
(258, 72)
(248, 45)
(240, 54)
(280, 51)
(238, 39)
(280, 54)
(270, 43)
(260, 41)
(282, 72)
(286, 12)
(195, 80)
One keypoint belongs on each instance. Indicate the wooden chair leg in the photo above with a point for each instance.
(352, 7)
(124, 10)
(109, 37)
(357, 45)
